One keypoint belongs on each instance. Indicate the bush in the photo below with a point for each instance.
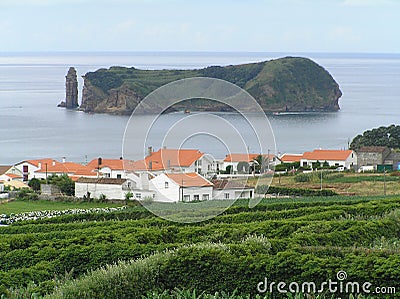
(27, 194)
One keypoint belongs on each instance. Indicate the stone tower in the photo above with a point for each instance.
(71, 89)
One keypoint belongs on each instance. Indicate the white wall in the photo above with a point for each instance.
(31, 169)
(233, 193)
(351, 159)
(112, 173)
(170, 194)
(174, 193)
(110, 191)
(190, 192)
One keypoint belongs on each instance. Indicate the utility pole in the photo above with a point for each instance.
(182, 190)
(384, 181)
(321, 179)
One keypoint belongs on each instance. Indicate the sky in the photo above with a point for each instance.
(359, 26)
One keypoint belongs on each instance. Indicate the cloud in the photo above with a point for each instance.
(344, 34)
(367, 2)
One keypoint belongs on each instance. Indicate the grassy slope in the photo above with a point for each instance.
(297, 82)
(350, 183)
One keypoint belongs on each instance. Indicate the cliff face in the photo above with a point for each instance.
(286, 84)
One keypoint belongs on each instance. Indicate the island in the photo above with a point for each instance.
(289, 84)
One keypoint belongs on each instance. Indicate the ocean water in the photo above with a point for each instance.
(32, 84)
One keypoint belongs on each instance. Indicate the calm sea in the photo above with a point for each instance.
(32, 84)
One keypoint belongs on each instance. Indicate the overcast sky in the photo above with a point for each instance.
(201, 25)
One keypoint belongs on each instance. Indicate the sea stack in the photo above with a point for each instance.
(71, 89)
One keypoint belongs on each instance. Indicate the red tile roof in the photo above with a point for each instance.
(332, 155)
(114, 164)
(240, 157)
(68, 167)
(40, 161)
(244, 157)
(229, 184)
(290, 158)
(191, 179)
(168, 158)
(4, 168)
(13, 175)
(106, 181)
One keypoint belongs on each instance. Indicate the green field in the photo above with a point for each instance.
(302, 239)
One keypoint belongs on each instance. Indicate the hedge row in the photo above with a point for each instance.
(39, 251)
(237, 268)
(263, 189)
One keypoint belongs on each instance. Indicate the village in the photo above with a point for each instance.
(188, 175)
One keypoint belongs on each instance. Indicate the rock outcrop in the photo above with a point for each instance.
(287, 84)
(71, 89)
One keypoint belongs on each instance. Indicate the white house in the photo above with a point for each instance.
(112, 188)
(343, 158)
(111, 168)
(10, 173)
(176, 161)
(228, 189)
(174, 187)
(28, 168)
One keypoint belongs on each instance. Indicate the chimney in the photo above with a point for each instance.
(63, 159)
(40, 165)
(54, 163)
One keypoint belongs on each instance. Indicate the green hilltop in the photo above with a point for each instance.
(292, 84)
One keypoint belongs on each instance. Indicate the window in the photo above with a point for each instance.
(154, 195)
(166, 185)
(119, 176)
(196, 197)
(186, 198)
(107, 175)
(206, 196)
(138, 195)
(226, 195)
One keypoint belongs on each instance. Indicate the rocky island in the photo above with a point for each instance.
(290, 84)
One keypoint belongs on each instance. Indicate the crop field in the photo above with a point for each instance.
(344, 183)
(130, 253)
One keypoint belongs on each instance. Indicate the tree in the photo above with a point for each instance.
(64, 182)
(243, 167)
(34, 183)
(128, 196)
(228, 169)
(382, 136)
